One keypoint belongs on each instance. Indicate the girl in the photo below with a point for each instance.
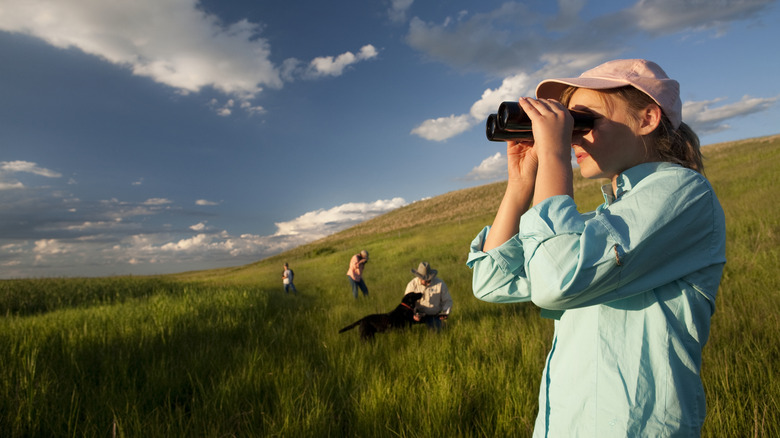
(631, 285)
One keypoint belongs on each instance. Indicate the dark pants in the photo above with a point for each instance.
(433, 322)
(358, 285)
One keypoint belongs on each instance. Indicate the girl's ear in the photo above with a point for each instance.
(649, 119)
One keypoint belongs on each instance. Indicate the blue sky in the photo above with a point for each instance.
(157, 136)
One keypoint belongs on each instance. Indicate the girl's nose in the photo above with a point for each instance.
(577, 137)
(580, 137)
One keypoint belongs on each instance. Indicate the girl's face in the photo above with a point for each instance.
(613, 145)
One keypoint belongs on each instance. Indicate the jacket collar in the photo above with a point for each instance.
(629, 178)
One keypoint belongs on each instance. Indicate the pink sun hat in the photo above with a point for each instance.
(645, 76)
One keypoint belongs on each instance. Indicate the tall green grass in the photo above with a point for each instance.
(227, 353)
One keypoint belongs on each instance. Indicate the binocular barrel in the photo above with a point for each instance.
(512, 123)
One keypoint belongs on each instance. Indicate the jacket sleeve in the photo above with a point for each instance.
(498, 275)
(663, 232)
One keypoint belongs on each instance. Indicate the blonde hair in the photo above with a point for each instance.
(680, 146)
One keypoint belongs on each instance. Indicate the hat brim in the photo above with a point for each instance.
(553, 88)
(431, 275)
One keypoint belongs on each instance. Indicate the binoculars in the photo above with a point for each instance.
(511, 123)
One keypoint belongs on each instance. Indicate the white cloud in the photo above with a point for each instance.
(173, 42)
(10, 168)
(115, 237)
(157, 201)
(189, 244)
(88, 226)
(252, 109)
(11, 185)
(199, 226)
(511, 88)
(491, 168)
(444, 127)
(334, 66)
(703, 118)
(205, 202)
(176, 43)
(323, 222)
(28, 167)
(51, 247)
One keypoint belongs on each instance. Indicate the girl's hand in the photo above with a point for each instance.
(552, 126)
(521, 161)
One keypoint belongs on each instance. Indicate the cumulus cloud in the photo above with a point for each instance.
(51, 247)
(198, 227)
(335, 66)
(50, 234)
(320, 223)
(444, 127)
(176, 43)
(491, 168)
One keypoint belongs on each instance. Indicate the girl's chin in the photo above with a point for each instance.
(590, 173)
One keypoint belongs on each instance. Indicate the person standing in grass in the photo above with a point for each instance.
(632, 285)
(436, 303)
(355, 273)
(287, 279)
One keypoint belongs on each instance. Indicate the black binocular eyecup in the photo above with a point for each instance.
(511, 123)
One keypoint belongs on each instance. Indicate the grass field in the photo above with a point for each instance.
(225, 352)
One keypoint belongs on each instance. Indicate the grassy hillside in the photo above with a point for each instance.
(226, 353)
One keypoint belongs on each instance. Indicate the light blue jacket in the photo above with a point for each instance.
(632, 287)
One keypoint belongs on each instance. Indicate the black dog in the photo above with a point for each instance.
(401, 317)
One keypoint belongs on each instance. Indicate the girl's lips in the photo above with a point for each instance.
(580, 156)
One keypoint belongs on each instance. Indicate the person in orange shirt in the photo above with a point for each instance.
(355, 273)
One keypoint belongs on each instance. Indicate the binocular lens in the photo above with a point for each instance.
(495, 133)
(512, 117)
(512, 123)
